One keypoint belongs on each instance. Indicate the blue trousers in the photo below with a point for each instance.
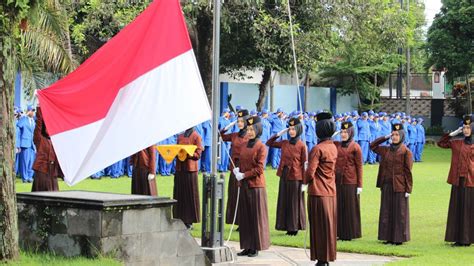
(412, 147)
(364, 146)
(309, 146)
(157, 161)
(116, 169)
(127, 167)
(419, 151)
(27, 158)
(276, 156)
(98, 175)
(206, 160)
(17, 164)
(225, 151)
(165, 168)
(372, 155)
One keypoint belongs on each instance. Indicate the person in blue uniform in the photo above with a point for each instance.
(200, 130)
(278, 124)
(412, 135)
(267, 131)
(338, 122)
(375, 132)
(364, 136)
(420, 139)
(224, 120)
(166, 169)
(354, 118)
(17, 112)
(207, 142)
(26, 125)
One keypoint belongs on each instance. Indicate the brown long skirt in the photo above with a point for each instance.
(186, 192)
(231, 200)
(253, 219)
(44, 182)
(291, 210)
(348, 212)
(394, 219)
(322, 212)
(460, 226)
(140, 183)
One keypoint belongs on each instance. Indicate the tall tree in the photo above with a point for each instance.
(449, 42)
(11, 13)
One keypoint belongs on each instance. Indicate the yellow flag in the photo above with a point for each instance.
(169, 152)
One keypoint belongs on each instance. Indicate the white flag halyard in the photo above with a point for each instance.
(141, 87)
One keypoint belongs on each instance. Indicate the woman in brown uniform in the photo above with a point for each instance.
(185, 189)
(320, 177)
(143, 175)
(291, 215)
(348, 184)
(238, 141)
(460, 226)
(253, 211)
(395, 182)
(46, 165)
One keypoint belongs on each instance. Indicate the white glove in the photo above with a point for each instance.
(35, 93)
(407, 195)
(279, 134)
(239, 176)
(306, 165)
(17, 150)
(304, 188)
(151, 177)
(336, 133)
(236, 170)
(230, 125)
(455, 132)
(359, 190)
(388, 136)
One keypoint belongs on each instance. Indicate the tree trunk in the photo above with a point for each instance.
(306, 92)
(262, 89)
(203, 49)
(8, 210)
(469, 95)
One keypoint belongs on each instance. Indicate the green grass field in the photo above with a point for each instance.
(428, 213)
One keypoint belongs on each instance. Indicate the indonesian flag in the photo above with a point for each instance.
(141, 87)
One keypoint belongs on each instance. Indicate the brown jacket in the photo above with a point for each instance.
(145, 158)
(191, 163)
(395, 165)
(320, 175)
(237, 144)
(292, 156)
(45, 161)
(252, 164)
(462, 160)
(349, 164)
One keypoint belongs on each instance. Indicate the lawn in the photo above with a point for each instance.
(428, 213)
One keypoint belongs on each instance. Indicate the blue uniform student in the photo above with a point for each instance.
(200, 130)
(266, 130)
(406, 124)
(338, 123)
(375, 132)
(310, 125)
(420, 139)
(278, 124)
(26, 125)
(412, 135)
(17, 140)
(206, 142)
(223, 166)
(353, 119)
(166, 169)
(364, 136)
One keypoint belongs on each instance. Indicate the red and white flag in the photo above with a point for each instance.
(141, 87)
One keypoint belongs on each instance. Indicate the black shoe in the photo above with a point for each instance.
(237, 230)
(189, 226)
(397, 243)
(322, 263)
(244, 252)
(388, 243)
(253, 253)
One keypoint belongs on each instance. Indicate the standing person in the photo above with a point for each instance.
(185, 189)
(364, 136)
(348, 184)
(395, 182)
(207, 142)
(321, 179)
(253, 209)
(238, 141)
(26, 125)
(17, 140)
(291, 215)
(278, 124)
(420, 139)
(143, 175)
(460, 225)
(224, 121)
(375, 129)
(46, 165)
(412, 135)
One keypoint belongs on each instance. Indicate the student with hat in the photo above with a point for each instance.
(321, 179)
(291, 216)
(185, 189)
(420, 139)
(364, 136)
(143, 174)
(395, 182)
(224, 121)
(460, 225)
(348, 184)
(238, 141)
(253, 209)
(26, 125)
(278, 124)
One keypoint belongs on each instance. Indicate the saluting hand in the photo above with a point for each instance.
(230, 125)
(388, 136)
(455, 132)
(279, 134)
